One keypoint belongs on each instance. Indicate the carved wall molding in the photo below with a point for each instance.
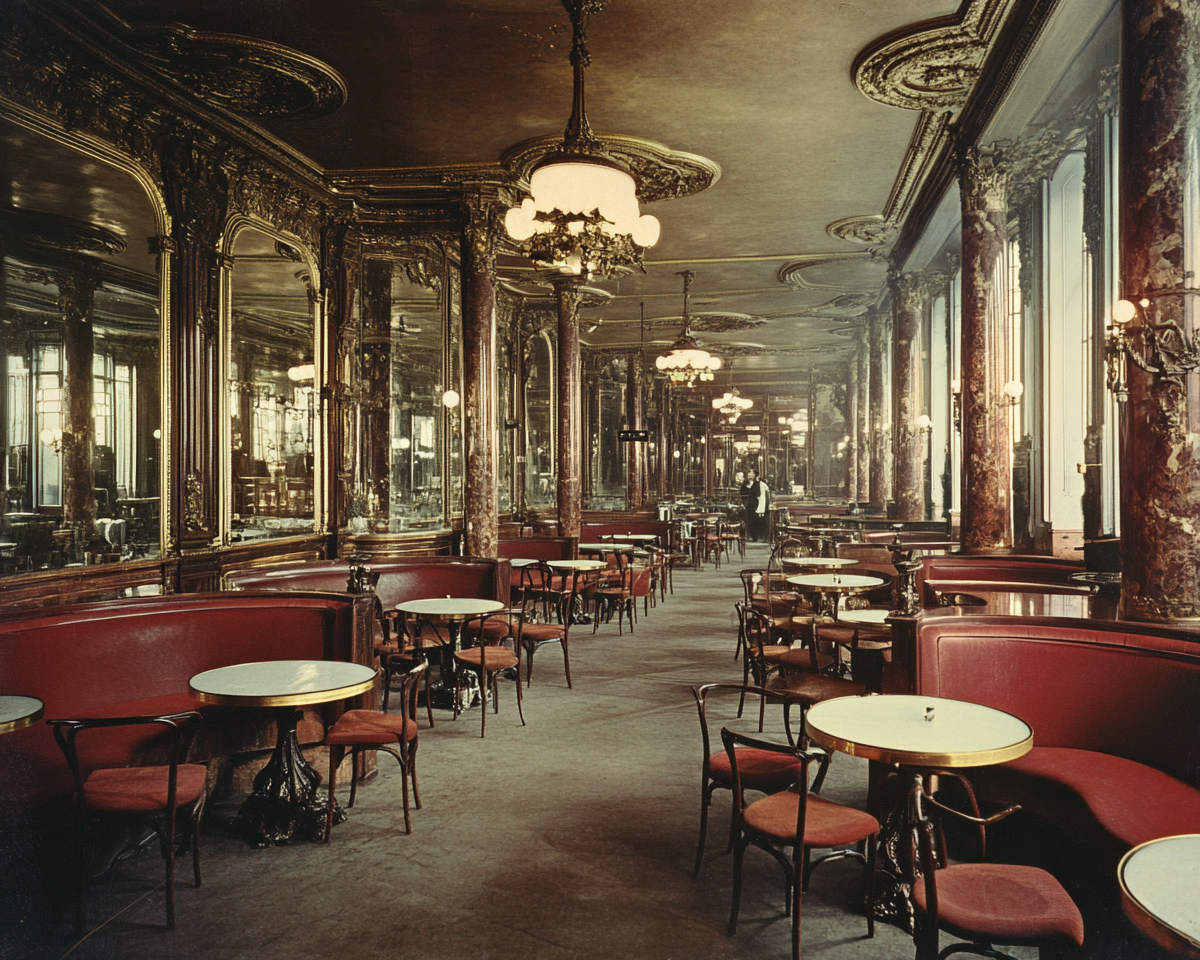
(984, 174)
(874, 229)
(661, 173)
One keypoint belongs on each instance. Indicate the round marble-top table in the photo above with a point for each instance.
(818, 563)
(451, 609)
(575, 564)
(1160, 891)
(605, 547)
(17, 712)
(868, 617)
(629, 537)
(833, 586)
(574, 568)
(285, 802)
(517, 563)
(919, 731)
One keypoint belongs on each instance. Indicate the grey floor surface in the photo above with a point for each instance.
(571, 837)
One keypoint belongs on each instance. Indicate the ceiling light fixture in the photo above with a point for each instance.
(582, 215)
(685, 361)
(732, 405)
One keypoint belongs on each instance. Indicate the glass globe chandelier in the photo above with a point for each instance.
(685, 361)
(582, 214)
(732, 405)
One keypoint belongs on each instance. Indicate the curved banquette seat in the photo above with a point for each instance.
(953, 572)
(135, 657)
(1115, 711)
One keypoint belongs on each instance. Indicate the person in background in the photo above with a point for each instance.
(757, 495)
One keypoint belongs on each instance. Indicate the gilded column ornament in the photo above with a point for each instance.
(986, 496)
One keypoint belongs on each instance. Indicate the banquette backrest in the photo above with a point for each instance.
(1113, 687)
(539, 548)
(592, 532)
(953, 568)
(135, 657)
(400, 579)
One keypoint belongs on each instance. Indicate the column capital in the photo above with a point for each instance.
(483, 226)
(983, 177)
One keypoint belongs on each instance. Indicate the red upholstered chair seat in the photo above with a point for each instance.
(1005, 903)
(761, 770)
(141, 789)
(1081, 790)
(498, 658)
(370, 727)
(542, 631)
(495, 629)
(826, 824)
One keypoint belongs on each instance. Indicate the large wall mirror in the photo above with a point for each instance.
(80, 350)
(397, 402)
(608, 453)
(274, 400)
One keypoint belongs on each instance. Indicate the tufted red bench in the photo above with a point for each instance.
(1115, 711)
(135, 657)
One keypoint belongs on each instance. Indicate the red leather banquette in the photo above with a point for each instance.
(1115, 711)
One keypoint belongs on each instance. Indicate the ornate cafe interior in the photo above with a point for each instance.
(825, 371)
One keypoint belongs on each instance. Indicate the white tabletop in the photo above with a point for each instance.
(282, 683)
(1160, 890)
(831, 562)
(520, 562)
(18, 712)
(592, 547)
(838, 582)
(894, 729)
(864, 616)
(450, 607)
(576, 564)
(632, 537)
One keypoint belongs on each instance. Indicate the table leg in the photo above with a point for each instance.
(444, 692)
(285, 804)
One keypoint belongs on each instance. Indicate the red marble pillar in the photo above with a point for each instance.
(862, 424)
(570, 409)
(375, 435)
(986, 448)
(76, 295)
(1160, 453)
(908, 305)
(880, 478)
(635, 494)
(480, 514)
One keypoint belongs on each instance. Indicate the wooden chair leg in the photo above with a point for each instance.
(566, 662)
(520, 698)
(336, 753)
(705, 799)
(402, 756)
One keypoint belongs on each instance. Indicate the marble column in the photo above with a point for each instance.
(862, 424)
(1160, 450)
(986, 446)
(570, 409)
(76, 296)
(879, 334)
(852, 449)
(635, 417)
(480, 496)
(375, 434)
(909, 293)
(664, 412)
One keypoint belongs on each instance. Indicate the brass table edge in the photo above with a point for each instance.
(28, 720)
(1158, 930)
(286, 700)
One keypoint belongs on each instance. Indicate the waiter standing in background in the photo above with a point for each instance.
(757, 496)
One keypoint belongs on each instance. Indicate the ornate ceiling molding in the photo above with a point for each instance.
(792, 273)
(709, 322)
(873, 229)
(930, 65)
(661, 173)
(245, 75)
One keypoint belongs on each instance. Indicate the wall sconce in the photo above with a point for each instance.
(923, 422)
(52, 438)
(956, 404)
(1167, 353)
(1013, 390)
(450, 399)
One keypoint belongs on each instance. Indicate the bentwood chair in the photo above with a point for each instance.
(615, 594)
(984, 903)
(149, 793)
(487, 660)
(764, 771)
(359, 730)
(801, 821)
(409, 640)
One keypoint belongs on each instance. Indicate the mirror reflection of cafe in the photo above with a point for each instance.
(80, 347)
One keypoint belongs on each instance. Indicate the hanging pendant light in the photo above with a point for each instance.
(732, 405)
(582, 214)
(685, 361)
